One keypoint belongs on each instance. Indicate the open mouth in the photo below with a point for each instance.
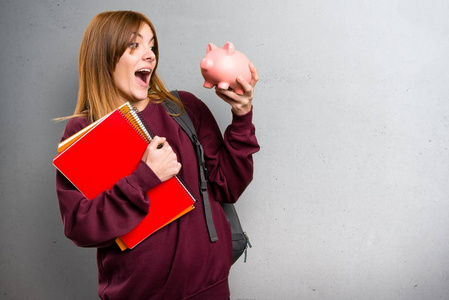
(142, 76)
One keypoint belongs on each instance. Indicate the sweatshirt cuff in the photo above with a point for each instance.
(241, 123)
(143, 178)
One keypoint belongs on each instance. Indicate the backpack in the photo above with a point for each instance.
(240, 240)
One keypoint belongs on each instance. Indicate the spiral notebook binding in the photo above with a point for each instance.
(130, 114)
(144, 124)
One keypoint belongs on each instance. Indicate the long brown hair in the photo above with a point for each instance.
(104, 42)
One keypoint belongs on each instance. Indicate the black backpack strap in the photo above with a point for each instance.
(186, 124)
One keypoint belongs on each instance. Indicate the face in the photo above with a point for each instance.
(134, 69)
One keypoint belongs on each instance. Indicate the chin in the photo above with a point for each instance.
(140, 97)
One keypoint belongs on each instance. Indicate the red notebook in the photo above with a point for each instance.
(95, 158)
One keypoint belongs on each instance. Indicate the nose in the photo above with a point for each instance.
(149, 55)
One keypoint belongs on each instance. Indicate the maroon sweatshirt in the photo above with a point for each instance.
(178, 261)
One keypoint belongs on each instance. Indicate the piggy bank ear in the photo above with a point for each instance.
(210, 47)
(229, 47)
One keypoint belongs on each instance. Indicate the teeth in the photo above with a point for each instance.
(144, 70)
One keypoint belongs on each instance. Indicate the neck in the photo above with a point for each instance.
(140, 104)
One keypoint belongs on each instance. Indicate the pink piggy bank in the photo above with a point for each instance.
(221, 66)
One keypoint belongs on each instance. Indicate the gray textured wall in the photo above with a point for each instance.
(350, 196)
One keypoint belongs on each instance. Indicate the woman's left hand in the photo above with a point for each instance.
(241, 104)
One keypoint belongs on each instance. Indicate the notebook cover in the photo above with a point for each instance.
(109, 151)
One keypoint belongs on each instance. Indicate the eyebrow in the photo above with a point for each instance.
(141, 36)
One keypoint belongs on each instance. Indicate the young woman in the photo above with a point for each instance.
(117, 63)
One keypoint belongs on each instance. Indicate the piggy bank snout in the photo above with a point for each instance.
(206, 63)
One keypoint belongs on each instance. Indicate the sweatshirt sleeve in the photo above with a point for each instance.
(229, 157)
(115, 212)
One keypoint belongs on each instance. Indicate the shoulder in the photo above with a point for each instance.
(189, 98)
(74, 125)
(192, 104)
(198, 111)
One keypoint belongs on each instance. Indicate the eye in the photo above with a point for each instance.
(133, 45)
(153, 48)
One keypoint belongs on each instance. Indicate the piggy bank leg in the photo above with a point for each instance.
(208, 85)
(223, 85)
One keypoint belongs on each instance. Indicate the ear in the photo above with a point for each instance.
(210, 47)
(229, 47)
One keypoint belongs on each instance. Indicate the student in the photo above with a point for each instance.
(117, 63)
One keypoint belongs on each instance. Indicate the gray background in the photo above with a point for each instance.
(350, 195)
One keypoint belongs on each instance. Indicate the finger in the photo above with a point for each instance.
(254, 75)
(176, 167)
(174, 157)
(223, 94)
(157, 142)
(247, 88)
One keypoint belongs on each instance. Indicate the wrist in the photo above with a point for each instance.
(241, 111)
